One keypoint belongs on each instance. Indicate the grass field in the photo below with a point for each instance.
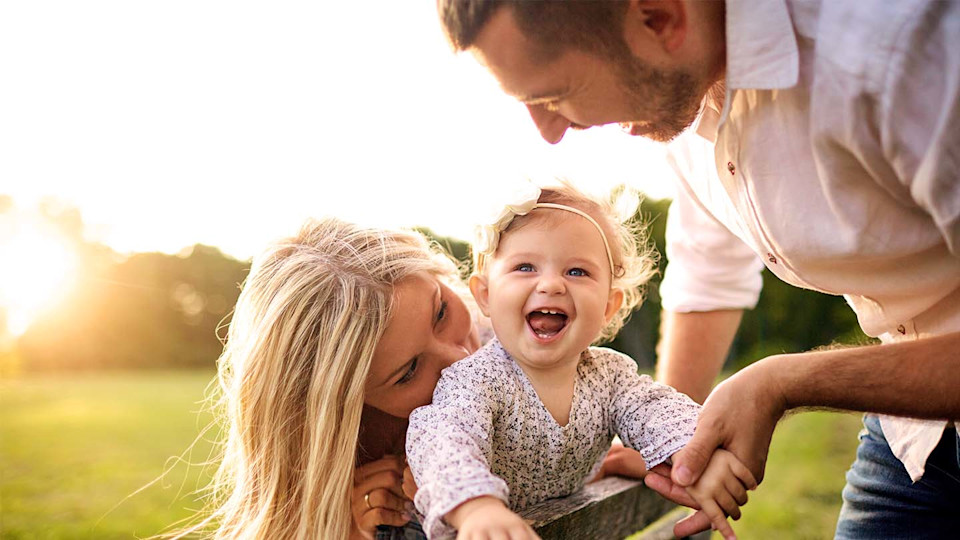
(75, 449)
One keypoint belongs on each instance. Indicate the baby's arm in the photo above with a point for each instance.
(722, 489)
(448, 449)
(488, 517)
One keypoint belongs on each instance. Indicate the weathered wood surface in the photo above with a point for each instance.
(612, 508)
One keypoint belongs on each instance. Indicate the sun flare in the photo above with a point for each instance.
(37, 268)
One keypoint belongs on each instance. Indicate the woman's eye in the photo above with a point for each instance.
(442, 312)
(409, 373)
(579, 272)
(525, 267)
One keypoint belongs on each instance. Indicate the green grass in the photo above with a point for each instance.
(800, 494)
(74, 450)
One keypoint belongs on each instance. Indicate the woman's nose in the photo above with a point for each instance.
(447, 352)
(552, 125)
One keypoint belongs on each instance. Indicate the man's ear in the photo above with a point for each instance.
(613, 304)
(655, 23)
(480, 291)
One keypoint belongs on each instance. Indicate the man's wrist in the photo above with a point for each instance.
(771, 376)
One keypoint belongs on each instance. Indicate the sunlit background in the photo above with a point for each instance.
(227, 123)
(149, 149)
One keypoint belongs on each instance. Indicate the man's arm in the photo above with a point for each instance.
(918, 379)
(693, 347)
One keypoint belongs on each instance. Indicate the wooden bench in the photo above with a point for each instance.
(610, 508)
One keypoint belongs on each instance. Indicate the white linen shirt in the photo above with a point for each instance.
(836, 158)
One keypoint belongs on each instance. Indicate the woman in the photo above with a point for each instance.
(338, 334)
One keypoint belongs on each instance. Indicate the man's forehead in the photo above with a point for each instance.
(509, 55)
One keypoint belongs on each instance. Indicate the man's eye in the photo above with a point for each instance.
(442, 312)
(524, 267)
(411, 371)
(578, 272)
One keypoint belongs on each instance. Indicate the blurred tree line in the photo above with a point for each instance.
(154, 310)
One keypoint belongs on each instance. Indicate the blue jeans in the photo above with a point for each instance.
(880, 501)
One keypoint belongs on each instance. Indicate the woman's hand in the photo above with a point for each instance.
(378, 497)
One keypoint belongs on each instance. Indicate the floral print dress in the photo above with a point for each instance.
(488, 433)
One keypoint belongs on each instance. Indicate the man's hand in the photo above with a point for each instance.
(486, 518)
(739, 415)
(658, 479)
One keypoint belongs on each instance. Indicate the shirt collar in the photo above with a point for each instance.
(762, 54)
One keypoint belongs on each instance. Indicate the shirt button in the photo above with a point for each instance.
(771, 258)
(731, 168)
(902, 329)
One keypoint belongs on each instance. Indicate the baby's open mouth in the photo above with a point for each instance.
(547, 323)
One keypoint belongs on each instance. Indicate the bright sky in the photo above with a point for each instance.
(229, 122)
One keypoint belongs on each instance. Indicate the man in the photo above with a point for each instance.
(824, 138)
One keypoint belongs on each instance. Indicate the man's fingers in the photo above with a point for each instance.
(691, 525)
(691, 460)
(667, 489)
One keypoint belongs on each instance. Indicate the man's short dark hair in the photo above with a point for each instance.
(591, 26)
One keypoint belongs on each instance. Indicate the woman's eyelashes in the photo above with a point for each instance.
(411, 371)
(442, 312)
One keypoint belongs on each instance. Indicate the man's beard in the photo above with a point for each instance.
(670, 100)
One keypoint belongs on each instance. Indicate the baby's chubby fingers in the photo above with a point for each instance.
(743, 473)
(718, 520)
(736, 490)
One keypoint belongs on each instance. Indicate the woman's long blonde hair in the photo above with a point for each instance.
(292, 374)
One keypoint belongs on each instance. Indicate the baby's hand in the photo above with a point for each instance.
(722, 489)
(487, 517)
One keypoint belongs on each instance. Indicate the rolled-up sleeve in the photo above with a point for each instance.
(709, 268)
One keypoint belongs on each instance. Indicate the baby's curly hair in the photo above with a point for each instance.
(634, 256)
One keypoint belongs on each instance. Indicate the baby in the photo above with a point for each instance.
(531, 415)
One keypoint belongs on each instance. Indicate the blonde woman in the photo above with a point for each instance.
(338, 334)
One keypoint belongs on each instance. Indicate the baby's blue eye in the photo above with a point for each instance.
(525, 267)
(578, 272)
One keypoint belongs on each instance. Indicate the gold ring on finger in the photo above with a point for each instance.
(366, 499)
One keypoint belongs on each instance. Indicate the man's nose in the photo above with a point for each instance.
(552, 125)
